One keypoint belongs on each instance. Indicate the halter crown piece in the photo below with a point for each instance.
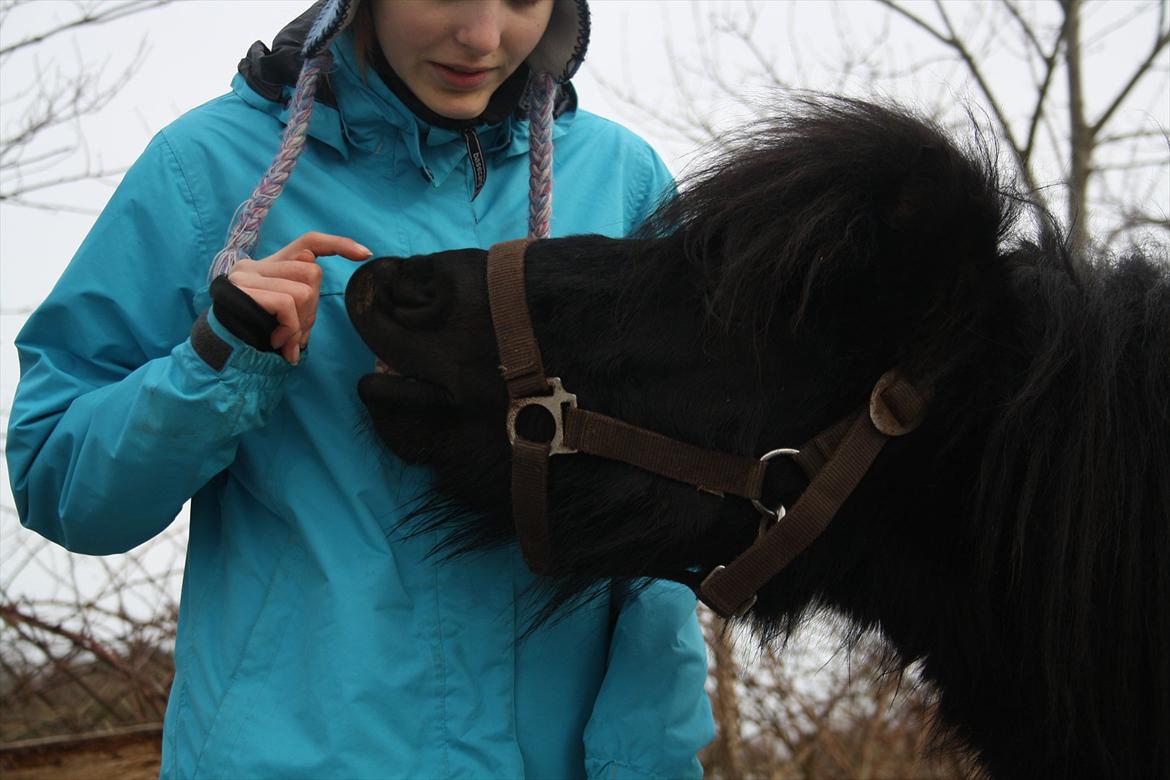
(554, 61)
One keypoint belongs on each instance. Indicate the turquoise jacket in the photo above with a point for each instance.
(315, 639)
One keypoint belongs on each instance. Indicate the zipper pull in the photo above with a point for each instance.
(478, 163)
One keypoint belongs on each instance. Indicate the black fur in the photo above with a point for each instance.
(1017, 544)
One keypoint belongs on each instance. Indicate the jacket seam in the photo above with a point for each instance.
(641, 211)
(610, 767)
(230, 686)
(189, 194)
(172, 739)
(445, 737)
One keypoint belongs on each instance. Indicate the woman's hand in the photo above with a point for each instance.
(287, 284)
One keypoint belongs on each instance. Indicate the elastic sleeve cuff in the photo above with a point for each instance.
(219, 348)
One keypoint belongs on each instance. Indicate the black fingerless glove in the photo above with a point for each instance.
(243, 317)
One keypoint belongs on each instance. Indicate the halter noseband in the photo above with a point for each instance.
(834, 461)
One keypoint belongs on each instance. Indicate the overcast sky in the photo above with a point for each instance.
(193, 47)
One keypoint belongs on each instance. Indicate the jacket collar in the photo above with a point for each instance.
(355, 110)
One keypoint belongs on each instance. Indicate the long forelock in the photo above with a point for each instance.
(793, 204)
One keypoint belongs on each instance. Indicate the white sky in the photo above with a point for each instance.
(194, 46)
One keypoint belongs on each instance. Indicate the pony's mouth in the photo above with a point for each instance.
(389, 389)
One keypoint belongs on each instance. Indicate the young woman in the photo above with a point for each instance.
(316, 637)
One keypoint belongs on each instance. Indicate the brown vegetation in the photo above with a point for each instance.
(81, 707)
(815, 710)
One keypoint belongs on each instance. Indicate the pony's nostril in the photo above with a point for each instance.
(414, 296)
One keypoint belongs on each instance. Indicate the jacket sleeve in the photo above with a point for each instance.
(117, 420)
(652, 715)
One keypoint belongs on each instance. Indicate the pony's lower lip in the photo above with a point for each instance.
(398, 393)
(460, 79)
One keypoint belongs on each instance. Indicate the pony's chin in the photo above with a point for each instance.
(404, 393)
(406, 413)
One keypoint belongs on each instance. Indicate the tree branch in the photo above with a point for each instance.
(950, 39)
(109, 13)
(1159, 44)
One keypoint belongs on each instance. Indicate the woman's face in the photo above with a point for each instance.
(453, 54)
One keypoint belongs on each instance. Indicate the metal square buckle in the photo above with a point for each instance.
(554, 404)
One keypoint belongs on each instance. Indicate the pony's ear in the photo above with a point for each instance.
(941, 232)
(944, 210)
(918, 191)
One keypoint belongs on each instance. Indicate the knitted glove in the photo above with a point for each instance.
(247, 320)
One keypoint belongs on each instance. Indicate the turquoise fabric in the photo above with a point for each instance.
(315, 640)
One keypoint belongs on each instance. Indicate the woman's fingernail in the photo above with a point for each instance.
(369, 252)
(296, 352)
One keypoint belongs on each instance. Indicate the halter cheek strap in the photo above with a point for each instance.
(836, 460)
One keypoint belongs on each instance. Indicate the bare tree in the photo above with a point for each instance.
(41, 142)
(809, 710)
(84, 642)
(1075, 91)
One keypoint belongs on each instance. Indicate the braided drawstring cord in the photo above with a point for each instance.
(245, 229)
(540, 154)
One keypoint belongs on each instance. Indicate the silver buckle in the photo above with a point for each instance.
(555, 405)
(771, 516)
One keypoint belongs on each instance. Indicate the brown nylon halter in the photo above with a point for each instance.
(835, 460)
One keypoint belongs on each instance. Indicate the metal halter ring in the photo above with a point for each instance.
(772, 516)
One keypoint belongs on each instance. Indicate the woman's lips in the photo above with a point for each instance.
(460, 78)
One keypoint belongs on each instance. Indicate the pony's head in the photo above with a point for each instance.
(755, 309)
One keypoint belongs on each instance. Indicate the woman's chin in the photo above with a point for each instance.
(456, 104)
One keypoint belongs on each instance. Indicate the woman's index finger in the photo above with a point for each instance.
(321, 244)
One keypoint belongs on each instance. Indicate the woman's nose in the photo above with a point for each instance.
(479, 30)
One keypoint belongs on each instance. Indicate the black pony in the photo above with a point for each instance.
(1017, 544)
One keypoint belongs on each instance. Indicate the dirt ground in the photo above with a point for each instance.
(128, 755)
